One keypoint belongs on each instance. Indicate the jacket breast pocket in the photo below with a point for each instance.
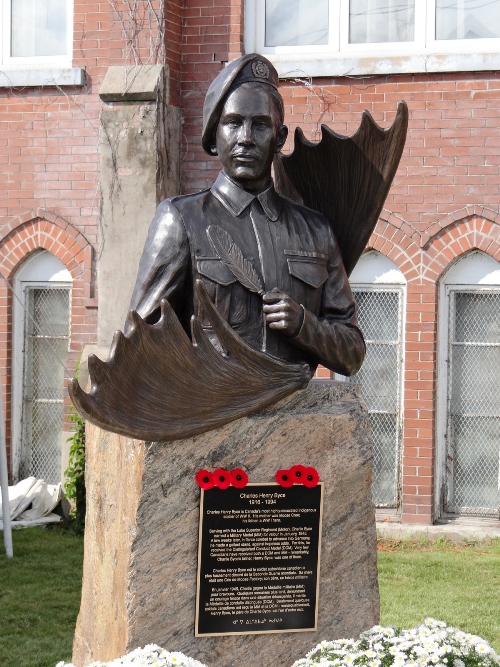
(218, 281)
(310, 271)
(308, 267)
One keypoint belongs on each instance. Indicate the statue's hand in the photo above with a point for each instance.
(282, 312)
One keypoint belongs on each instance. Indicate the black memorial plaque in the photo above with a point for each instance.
(258, 560)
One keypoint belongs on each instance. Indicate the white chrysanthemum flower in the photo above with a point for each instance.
(405, 645)
(482, 648)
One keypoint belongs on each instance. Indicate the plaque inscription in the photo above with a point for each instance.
(258, 560)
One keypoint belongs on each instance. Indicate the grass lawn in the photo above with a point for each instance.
(456, 583)
(40, 591)
(39, 597)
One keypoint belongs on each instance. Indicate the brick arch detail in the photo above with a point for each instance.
(459, 237)
(43, 230)
(395, 243)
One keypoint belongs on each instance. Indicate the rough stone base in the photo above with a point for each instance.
(141, 538)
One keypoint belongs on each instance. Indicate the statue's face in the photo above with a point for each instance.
(248, 135)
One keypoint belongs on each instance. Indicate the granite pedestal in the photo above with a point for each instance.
(141, 538)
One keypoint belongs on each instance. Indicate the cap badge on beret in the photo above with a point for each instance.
(260, 70)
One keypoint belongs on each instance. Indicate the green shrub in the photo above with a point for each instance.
(75, 472)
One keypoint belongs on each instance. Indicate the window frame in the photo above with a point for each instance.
(423, 54)
(472, 279)
(375, 272)
(40, 269)
(32, 62)
(401, 290)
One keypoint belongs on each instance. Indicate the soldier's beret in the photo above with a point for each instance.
(251, 67)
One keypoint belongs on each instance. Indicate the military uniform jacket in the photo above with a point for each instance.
(291, 247)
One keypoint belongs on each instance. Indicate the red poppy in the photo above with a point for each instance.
(205, 479)
(239, 478)
(311, 478)
(222, 478)
(298, 474)
(284, 478)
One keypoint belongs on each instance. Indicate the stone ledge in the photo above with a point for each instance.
(50, 76)
(137, 83)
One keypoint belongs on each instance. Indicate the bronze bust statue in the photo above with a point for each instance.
(307, 312)
(241, 291)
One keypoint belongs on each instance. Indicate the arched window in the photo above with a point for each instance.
(468, 394)
(379, 288)
(42, 298)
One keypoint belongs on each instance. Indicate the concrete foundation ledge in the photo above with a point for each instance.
(454, 530)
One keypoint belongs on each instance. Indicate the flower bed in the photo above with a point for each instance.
(149, 656)
(432, 644)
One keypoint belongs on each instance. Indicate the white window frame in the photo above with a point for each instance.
(40, 270)
(377, 273)
(32, 62)
(473, 279)
(338, 58)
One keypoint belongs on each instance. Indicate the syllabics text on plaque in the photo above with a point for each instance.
(258, 560)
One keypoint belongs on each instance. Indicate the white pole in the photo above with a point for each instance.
(4, 482)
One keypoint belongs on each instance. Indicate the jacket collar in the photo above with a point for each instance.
(235, 199)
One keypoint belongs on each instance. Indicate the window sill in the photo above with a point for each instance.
(291, 66)
(14, 77)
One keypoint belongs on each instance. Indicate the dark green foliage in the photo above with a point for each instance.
(75, 473)
(74, 486)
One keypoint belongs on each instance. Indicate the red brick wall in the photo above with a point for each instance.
(49, 157)
(445, 199)
(212, 35)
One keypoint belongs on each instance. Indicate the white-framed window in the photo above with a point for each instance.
(379, 288)
(468, 389)
(335, 37)
(36, 33)
(41, 331)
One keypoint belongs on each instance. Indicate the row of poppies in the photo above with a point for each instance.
(238, 478)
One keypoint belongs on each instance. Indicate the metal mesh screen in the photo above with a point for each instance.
(473, 431)
(379, 315)
(45, 346)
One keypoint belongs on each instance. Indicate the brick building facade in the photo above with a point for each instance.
(437, 241)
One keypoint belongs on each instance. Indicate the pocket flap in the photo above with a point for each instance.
(215, 270)
(313, 273)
